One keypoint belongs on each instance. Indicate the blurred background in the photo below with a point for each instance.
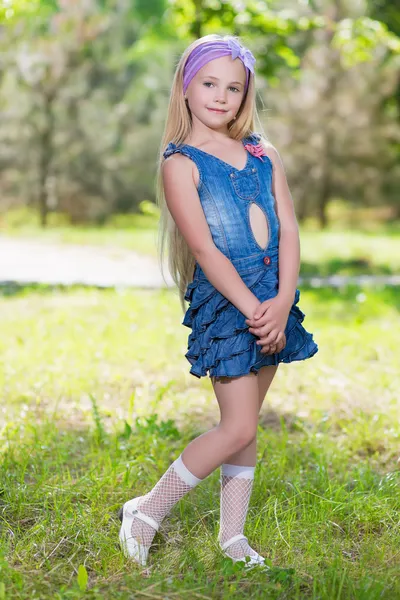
(85, 84)
(96, 393)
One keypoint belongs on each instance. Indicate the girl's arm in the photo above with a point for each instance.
(289, 241)
(185, 207)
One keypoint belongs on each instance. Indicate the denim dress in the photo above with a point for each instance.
(220, 342)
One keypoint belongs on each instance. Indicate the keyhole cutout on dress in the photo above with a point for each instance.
(259, 225)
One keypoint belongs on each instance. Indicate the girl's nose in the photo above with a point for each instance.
(221, 96)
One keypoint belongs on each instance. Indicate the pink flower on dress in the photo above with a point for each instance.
(256, 150)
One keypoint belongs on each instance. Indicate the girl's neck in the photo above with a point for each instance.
(201, 134)
(202, 140)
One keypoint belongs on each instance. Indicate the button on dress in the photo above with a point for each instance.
(220, 343)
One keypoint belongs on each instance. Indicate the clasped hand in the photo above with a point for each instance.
(268, 323)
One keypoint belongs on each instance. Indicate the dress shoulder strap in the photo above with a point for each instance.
(173, 149)
(253, 138)
(190, 153)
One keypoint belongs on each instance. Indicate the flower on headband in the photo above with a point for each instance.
(243, 53)
(256, 150)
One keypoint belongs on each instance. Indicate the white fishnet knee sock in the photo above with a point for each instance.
(236, 485)
(173, 485)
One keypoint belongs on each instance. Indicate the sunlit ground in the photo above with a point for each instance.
(81, 373)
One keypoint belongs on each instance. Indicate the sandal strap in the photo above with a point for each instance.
(139, 515)
(232, 540)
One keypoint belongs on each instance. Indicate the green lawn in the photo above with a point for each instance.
(97, 402)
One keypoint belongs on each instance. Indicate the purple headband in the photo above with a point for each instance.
(203, 53)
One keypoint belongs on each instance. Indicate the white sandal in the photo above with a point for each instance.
(130, 546)
(254, 560)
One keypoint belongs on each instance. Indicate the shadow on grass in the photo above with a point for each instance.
(355, 298)
(13, 288)
(350, 267)
(348, 294)
(345, 304)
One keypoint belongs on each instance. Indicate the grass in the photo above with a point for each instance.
(97, 402)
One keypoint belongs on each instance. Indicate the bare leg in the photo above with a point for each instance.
(237, 476)
(238, 400)
(248, 455)
(239, 407)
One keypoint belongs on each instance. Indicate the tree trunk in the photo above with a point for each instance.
(46, 152)
(302, 207)
(328, 101)
(197, 25)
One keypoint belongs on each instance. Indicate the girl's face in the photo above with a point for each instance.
(216, 92)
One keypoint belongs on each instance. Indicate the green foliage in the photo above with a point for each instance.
(11, 10)
(149, 425)
(92, 81)
(82, 578)
(387, 12)
(149, 208)
(357, 40)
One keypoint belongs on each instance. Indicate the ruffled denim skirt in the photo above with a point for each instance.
(220, 342)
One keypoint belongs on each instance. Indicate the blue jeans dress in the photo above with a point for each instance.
(220, 342)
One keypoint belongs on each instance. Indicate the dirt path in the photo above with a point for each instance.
(31, 261)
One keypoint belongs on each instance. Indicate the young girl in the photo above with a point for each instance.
(234, 254)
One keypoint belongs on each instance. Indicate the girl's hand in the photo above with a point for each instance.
(275, 346)
(269, 323)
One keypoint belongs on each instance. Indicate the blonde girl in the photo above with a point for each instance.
(233, 249)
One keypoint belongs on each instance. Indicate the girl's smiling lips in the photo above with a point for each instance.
(219, 110)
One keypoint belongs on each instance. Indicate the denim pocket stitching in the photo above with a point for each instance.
(252, 195)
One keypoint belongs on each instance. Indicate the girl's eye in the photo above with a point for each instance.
(231, 87)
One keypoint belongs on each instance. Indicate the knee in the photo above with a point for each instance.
(241, 436)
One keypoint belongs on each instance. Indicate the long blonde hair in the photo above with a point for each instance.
(178, 126)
